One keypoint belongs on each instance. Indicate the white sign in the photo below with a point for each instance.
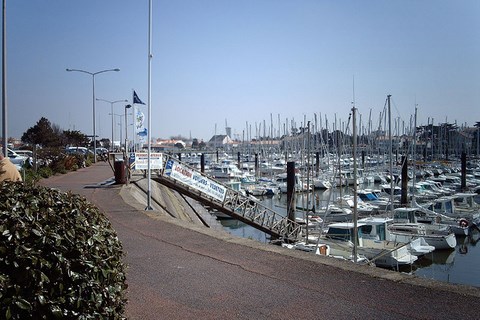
(141, 161)
(195, 180)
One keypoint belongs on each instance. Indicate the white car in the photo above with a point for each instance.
(26, 153)
(17, 159)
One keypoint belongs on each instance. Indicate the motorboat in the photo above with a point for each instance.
(406, 225)
(377, 228)
(363, 208)
(444, 210)
(372, 197)
(383, 253)
(322, 183)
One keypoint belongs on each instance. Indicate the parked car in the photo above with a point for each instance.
(102, 151)
(17, 159)
(80, 150)
(26, 153)
(29, 155)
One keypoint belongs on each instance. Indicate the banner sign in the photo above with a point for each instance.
(140, 130)
(195, 180)
(141, 161)
(131, 161)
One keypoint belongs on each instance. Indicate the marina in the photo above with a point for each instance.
(458, 265)
(452, 261)
(315, 190)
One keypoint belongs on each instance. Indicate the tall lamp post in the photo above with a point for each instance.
(120, 128)
(111, 108)
(93, 74)
(128, 106)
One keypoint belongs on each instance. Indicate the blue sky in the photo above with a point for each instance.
(241, 61)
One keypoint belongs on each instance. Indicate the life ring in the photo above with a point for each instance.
(463, 223)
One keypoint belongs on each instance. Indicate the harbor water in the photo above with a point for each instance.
(459, 265)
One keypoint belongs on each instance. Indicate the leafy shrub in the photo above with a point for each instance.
(89, 160)
(59, 257)
(29, 175)
(50, 155)
(74, 161)
(45, 172)
(58, 165)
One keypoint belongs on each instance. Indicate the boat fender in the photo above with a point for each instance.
(438, 219)
(463, 223)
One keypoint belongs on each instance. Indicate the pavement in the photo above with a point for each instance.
(181, 270)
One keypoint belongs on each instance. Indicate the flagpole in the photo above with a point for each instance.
(4, 80)
(149, 133)
(134, 123)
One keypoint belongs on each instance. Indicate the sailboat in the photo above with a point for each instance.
(381, 251)
(407, 227)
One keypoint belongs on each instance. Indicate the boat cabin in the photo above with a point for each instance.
(368, 228)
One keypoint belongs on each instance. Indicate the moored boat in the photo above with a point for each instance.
(405, 224)
(382, 252)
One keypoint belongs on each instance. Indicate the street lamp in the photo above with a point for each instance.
(128, 106)
(93, 74)
(111, 106)
(120, 129)
(120, 126)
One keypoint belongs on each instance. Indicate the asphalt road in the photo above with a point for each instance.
(181, 271)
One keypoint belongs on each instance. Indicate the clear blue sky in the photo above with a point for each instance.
(242, 61)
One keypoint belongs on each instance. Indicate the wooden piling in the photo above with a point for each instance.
(291, 190)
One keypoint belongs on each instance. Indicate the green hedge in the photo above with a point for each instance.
(59, 257)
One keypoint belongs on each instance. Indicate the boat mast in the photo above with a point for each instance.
(355, 204)
(390, 154)
(414, 154)
(308, 181)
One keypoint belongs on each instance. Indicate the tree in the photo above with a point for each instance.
(105, 143)
(178, 137)
(195, 143)
(75, 138)
(43, 134)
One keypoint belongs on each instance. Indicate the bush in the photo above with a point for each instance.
(74, 161)
(59, 257)
(45, 172)
(58, 165)
(28, 174)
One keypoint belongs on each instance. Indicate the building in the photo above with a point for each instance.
(220, 141)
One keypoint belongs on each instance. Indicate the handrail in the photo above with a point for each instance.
(234, 203)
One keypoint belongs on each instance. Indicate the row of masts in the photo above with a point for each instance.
(292, 136)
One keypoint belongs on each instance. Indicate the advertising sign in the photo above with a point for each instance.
(141, 161)
(195, 180)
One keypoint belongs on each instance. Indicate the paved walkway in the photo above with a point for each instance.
(180, 271)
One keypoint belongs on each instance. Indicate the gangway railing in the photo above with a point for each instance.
(219, 196)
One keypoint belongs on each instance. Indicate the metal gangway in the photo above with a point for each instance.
(219, 196)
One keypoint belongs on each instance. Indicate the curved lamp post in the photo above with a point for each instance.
(93, 74)
(111, 108)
